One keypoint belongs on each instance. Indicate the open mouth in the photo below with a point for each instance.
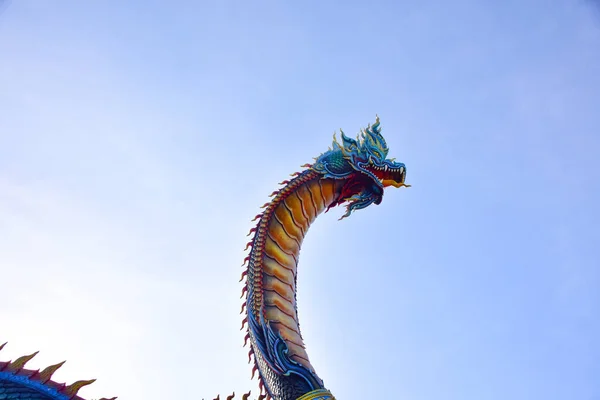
(389, 176)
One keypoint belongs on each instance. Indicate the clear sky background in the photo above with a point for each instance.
(138, 139)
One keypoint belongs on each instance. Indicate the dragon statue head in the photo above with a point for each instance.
(363, 163)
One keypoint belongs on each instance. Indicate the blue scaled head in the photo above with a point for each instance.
(363, 164)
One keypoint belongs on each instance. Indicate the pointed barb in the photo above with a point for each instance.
(231, 397)
(74, 387)
(248, 245)
(274, 193)
(61, 387)
(251, 230)
(265, 205)
(262, 397)
(307, 165)
(243, 306)
(284, 182)
(250, 354)
(245, 260)
(47, 373)
(246, 395)
(20, 362)
(246, 339)
(2, 345)
(257, 217)
(254, 369)
(244, 291)
(243, 275)
(244, 321)
(295, 174)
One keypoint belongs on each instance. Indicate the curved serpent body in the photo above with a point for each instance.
(274, 331)
(353, 172)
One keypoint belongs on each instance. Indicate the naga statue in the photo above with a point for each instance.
(354, 172)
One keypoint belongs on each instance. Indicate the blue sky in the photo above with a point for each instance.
(138, 140)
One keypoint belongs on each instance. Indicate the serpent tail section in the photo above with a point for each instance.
(18, 383)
